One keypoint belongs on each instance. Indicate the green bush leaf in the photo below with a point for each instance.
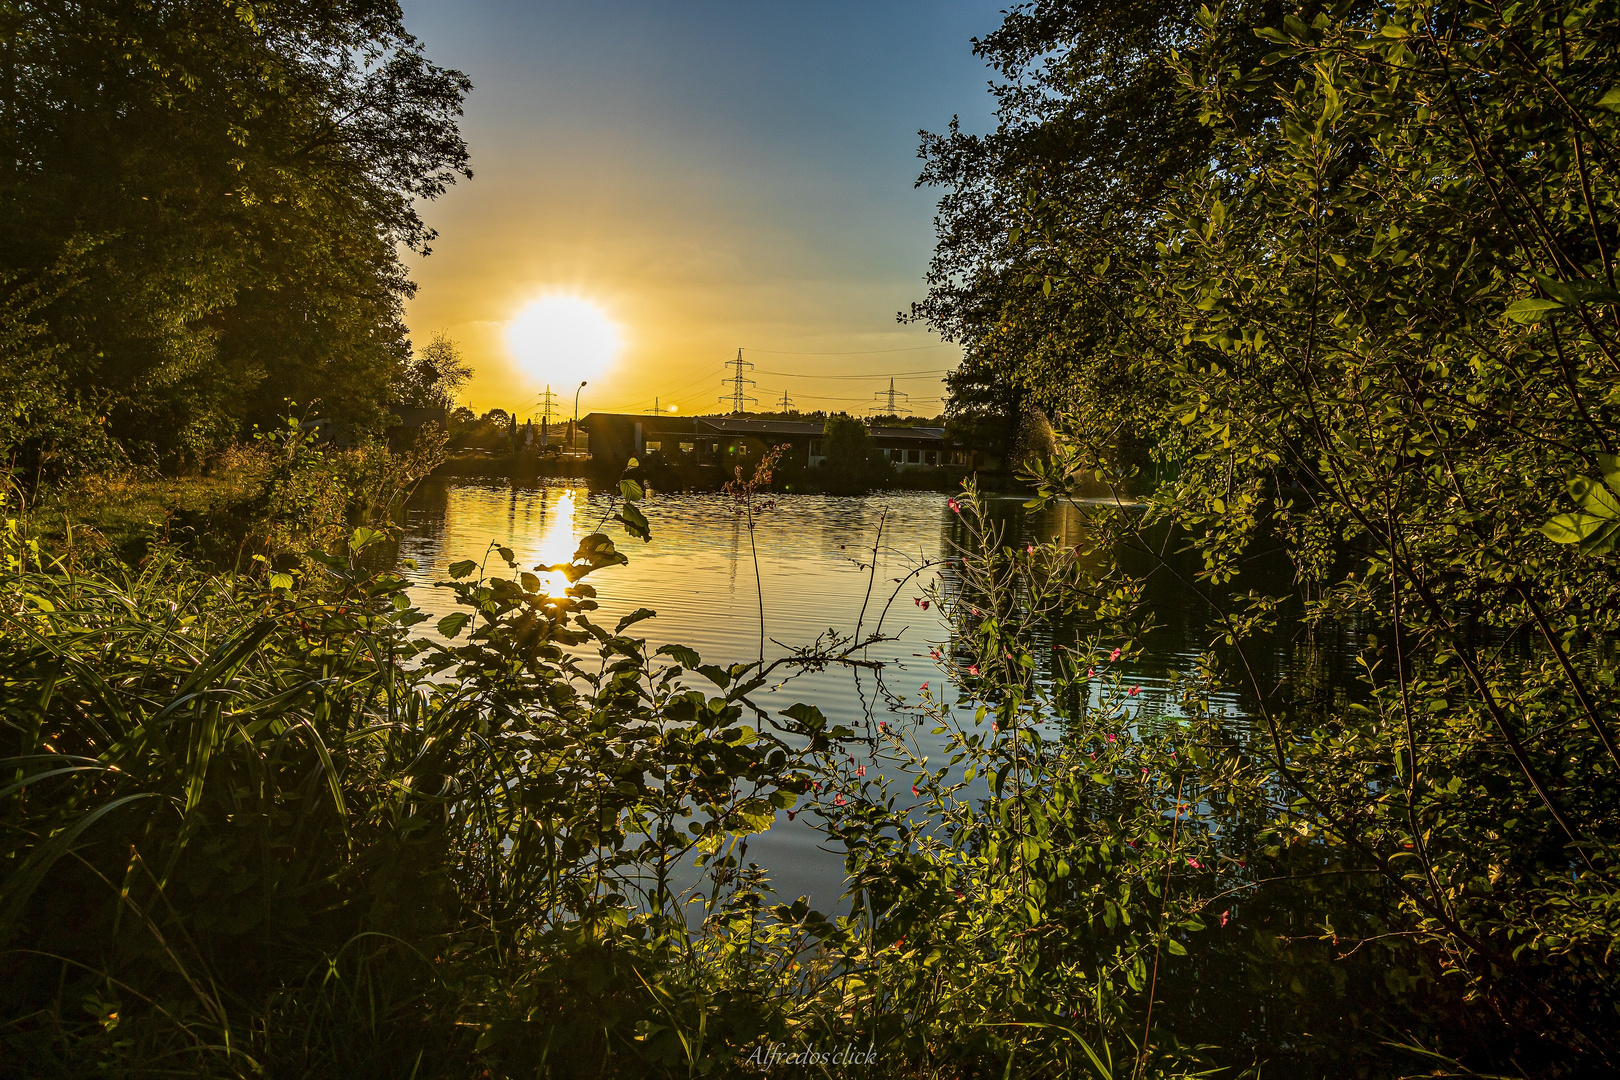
(463, 568)
(1531, 309)
(682, 655)
(451, 624)
(633, 618)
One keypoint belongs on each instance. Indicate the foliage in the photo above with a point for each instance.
(1371, 325)
(251, 827)
(435, 377)
(850, 462)
(205, 200)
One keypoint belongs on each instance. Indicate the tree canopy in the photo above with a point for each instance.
(1349, 272)
(205, 204)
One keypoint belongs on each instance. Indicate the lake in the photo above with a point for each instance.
(815, 558)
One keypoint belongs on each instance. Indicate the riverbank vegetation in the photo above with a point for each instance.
(1344, 278)
(1331, 289)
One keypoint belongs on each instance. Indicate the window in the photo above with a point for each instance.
(686, 447)
(931, 458)
(653, 447)
(815, 447)
(913, 457)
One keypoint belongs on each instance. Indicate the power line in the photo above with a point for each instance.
(786, 402)
(870, 375)
(737, 396)
(858, 352)
(890, 394)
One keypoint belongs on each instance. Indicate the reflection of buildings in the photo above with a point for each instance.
(724, 441)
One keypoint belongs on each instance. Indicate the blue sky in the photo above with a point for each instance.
(713, 175)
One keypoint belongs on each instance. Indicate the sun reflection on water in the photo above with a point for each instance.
(557, 542)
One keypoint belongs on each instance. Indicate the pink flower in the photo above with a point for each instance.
(1195, 864)
(925, 605)
(1133, 691)
(973, 669)
(861, 771)
(1091, 673)
(840, 800)
(1030, 550)
(791, 813)
(993, 726)
(1131, 842)
(1110, 736)
(914, 790)
(1113, 656)
(816, 787)
(924, 689)
(1224, 916)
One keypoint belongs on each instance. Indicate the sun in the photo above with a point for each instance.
(558, 339)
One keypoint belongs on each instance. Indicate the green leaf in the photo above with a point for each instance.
(808, 715)
(463, 568)
(1611, 100)
(1531, 309)
(1595, 497)
(451, 624)
(281, 581)
(635, 522)
(1578, 290)
(363, 538)
(752, 816)
(682, 655)
(1570, 528)
(633, 618)
(630, 490)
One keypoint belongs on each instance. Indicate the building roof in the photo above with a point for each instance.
(932, 434)
(743, 425)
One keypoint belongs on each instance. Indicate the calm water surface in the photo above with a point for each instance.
(698, 574)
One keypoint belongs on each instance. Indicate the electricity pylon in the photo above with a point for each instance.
(548, 404)
(737, 397)
(888, 396)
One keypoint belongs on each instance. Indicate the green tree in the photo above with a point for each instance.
(435, 377)
(230, 183)
(850, 461)
(1371, 317)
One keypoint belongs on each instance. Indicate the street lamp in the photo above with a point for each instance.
(573, 433)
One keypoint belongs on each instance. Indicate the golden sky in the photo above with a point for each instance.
(710, 176)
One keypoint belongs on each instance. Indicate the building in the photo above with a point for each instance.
(725, 441)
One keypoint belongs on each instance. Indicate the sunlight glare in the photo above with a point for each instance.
(557, 543)
(561, 339)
